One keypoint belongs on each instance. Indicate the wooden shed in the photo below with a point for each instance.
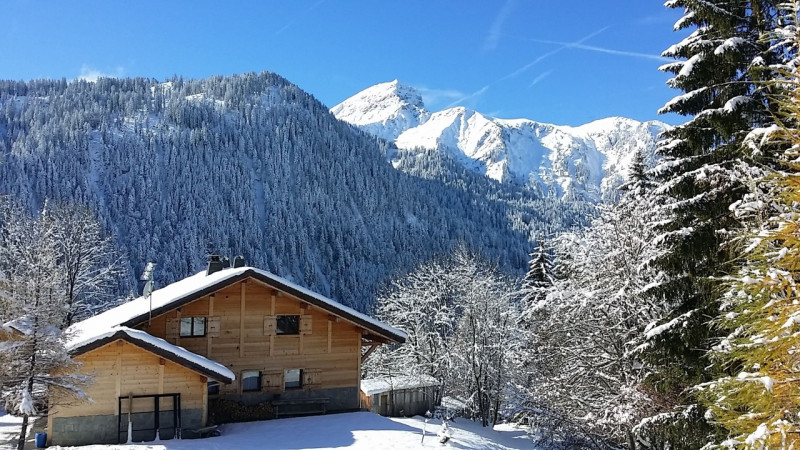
(400, 395)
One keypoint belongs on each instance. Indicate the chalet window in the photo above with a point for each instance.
(193, 326)
(291, 379)
(251, 381)
(213, 388)
(287, 324)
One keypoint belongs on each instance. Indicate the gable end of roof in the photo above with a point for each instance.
(123, 335)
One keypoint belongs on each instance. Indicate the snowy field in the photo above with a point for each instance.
(360, 430)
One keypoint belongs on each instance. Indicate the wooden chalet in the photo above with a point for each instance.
(225, 344)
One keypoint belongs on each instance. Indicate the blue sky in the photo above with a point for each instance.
(564, 62)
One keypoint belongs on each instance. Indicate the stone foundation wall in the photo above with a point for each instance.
(84, 430)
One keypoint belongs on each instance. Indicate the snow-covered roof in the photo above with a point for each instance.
(85, 341)
(372, 386)
(24, 325)
(199, 285)
(21, 324)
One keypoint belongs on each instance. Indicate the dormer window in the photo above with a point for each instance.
(287, 324)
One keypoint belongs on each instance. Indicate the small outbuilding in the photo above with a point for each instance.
(400, 395)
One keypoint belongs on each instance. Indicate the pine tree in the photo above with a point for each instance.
(540, 276)
(638, 170)
(723, 65)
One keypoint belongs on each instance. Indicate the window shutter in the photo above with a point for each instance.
(272, 380)
(213, 326)
(172, 329)
(312, 378)
(269, 325)
(305, 324)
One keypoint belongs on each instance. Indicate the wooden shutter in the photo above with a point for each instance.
(173, 326)
(312, 378)
(305, 324)
(272, 380)
(213, 326)
(270, 325)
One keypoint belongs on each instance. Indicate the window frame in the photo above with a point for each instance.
(258, 380)
(299, 385)
(291, 332)
(213, 387)
(192, 326)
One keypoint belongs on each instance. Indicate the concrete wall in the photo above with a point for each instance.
(85, 430)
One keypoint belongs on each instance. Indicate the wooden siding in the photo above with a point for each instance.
(120, 369)
(328, 348)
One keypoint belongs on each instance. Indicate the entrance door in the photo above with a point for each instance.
(149, 417)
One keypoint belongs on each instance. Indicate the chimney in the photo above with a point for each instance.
(214, 265)
(238, 261)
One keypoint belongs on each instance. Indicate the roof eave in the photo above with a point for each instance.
(151, 348)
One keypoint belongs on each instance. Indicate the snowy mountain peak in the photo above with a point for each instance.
(589, 161)
(385, 110)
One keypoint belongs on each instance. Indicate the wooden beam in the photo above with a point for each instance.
(275, 293)
(161, 363)
(372, 347)
(178, 318)
(118, 390)
(210, 313)
(204, 406)
(330, 335)
(241, 321)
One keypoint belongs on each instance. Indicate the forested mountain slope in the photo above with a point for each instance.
(252, 165)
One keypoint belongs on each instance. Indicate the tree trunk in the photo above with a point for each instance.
(631, 441)
(22, 433)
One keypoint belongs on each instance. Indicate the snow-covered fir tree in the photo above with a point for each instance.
(722, 67)
(755, 394)
(540, 276)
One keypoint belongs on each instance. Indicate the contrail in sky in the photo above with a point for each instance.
(497, 27)
(581, 46)
(564, 45)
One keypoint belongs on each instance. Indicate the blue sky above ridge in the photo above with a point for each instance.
(561, 62)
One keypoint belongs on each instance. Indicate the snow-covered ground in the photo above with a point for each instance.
(9, 428)
(360, 430)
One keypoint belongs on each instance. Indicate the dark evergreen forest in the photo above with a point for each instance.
(253, 165)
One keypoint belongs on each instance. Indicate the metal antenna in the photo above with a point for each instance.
(147, 291)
